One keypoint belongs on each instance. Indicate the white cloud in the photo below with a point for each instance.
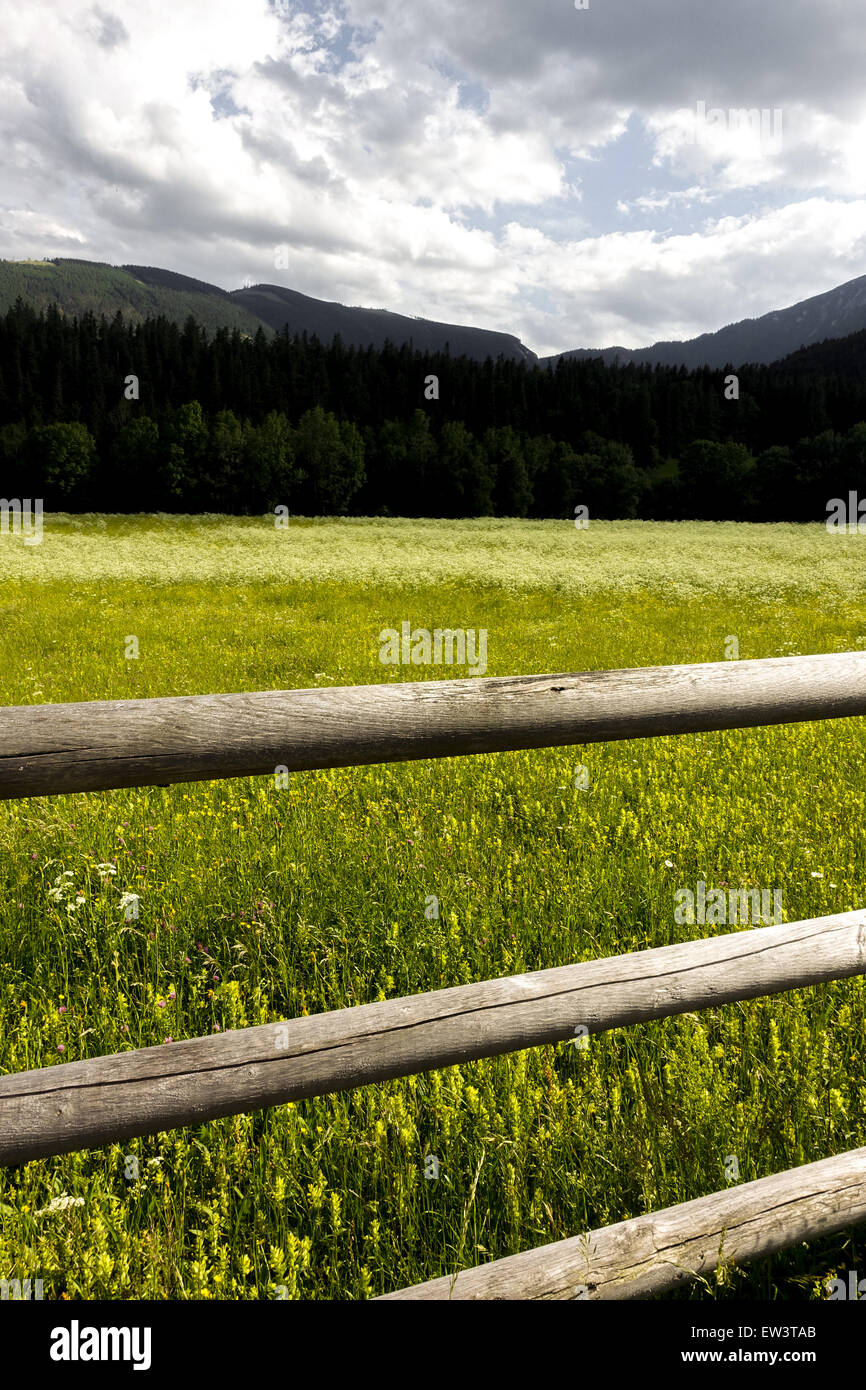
(200, 135)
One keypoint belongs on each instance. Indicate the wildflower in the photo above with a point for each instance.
(62, 1009)
(169, 1039)
(60, 1203)
(60, 1047)
(668, 864)
(814, 874)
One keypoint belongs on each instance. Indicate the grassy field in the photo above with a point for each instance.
(258, 904)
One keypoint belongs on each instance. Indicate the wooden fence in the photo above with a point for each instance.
(654, 1253)
(51, 749)
(46, 749)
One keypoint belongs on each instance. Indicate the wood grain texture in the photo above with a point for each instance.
(654, 1253)
(50, 749)
(77, 1105)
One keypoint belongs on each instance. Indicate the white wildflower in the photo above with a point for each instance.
(60, 1204)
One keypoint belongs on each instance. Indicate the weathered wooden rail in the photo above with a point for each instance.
(651, 1254)
(48, 749)
(53, 749)
(82, 1104)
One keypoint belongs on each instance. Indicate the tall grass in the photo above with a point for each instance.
(257, 904)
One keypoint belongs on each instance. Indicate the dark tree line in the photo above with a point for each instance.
(238, 424)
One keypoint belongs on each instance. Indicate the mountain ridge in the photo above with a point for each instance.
(78, 286)
(361, 327)
(835, 313)
(138, 291)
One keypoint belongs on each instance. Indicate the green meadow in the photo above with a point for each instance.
(258, 903)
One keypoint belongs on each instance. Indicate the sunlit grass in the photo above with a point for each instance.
(258, 904)
(678, 559)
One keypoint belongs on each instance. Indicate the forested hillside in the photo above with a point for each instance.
(140, 291)
(79, 287)
(225, 423)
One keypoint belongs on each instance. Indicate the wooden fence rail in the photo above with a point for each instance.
(75, 1105)
(653, 1253)
(49, 749)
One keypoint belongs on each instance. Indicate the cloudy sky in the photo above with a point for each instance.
(521, 165)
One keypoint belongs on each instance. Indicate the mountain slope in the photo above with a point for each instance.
(835, 314)
(138, 292)
(374, 327)
(846, 357)
(141, 292)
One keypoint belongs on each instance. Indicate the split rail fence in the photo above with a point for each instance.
(97, 745)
